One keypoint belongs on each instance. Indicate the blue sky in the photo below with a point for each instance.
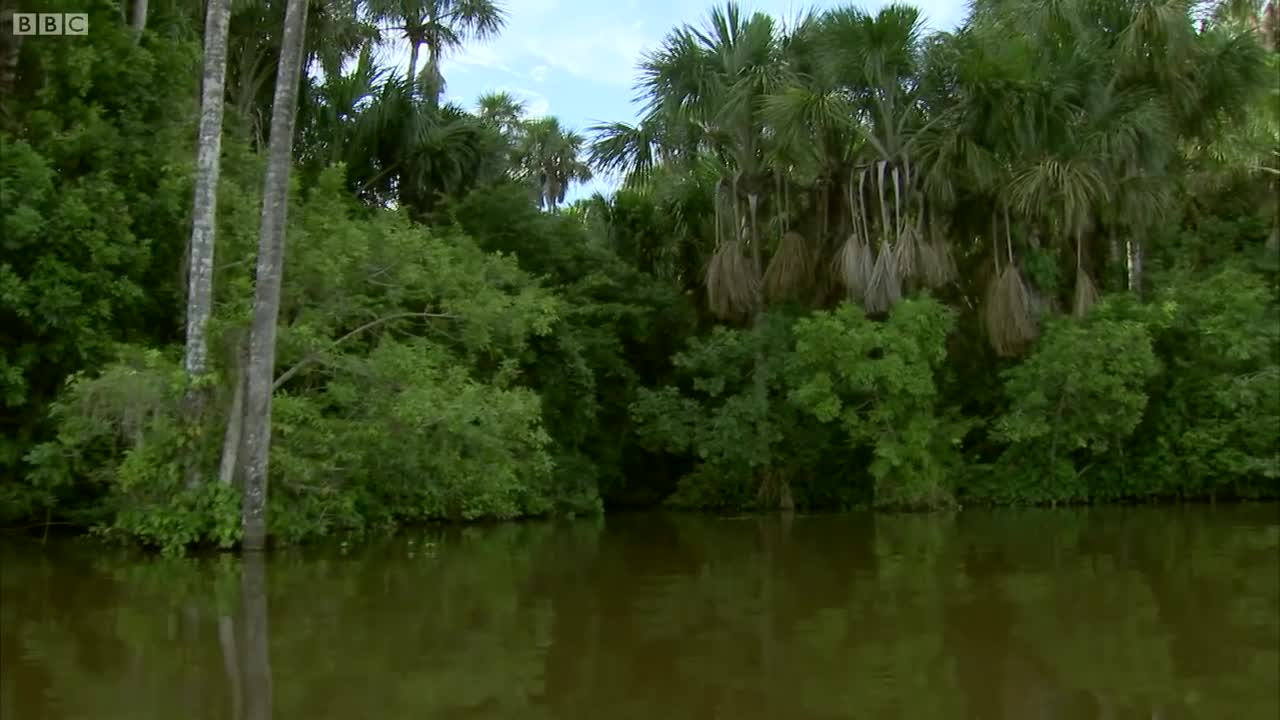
(576, 59)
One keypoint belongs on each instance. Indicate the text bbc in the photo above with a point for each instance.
(50, 24)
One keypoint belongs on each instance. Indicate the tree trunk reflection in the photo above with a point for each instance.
(256, 661)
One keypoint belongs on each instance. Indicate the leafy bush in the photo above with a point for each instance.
(877, 381)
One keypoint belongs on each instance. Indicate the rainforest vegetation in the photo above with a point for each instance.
(255, 285)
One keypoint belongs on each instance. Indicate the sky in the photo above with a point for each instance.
(576, 59)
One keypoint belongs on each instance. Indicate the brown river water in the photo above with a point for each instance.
(1106, 613)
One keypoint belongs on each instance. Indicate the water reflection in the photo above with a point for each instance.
(256, 662)
(1118, 613)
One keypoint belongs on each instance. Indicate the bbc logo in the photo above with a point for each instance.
(50, 24)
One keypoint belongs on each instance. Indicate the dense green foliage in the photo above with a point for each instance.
(1029, 261)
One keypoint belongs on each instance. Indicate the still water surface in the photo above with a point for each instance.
(1103, 613)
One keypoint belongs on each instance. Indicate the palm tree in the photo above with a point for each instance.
(703, 89)
(874, 62)
(1053, 132)
(503, 110)
(395, 148)
(443, 26)
(270, 273)
(335, 115)
(505, 114)
(336, 32)
(1252, 145)
(1047, 130)
(200, 265)
(551, 158)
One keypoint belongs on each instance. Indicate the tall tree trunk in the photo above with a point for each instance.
(234, 436)
(10, 52)
(257, 632)
(139, 23)
(781, 489)
(1135, 266)
(413, 64)
(204, 213)
(433, 58)
(1115, 261)
(434, 79)
(266, 303)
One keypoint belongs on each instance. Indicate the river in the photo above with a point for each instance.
(1012, 614)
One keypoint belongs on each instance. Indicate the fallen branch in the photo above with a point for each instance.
(288, 374)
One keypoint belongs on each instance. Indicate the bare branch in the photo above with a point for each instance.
(288, 374)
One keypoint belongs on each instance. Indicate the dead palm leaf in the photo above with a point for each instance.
(853, 265)
(937, 260)
(732, 286)
(1086, 295)
(790, 269)
(885, 287)
(1009, 312)
(911, 260)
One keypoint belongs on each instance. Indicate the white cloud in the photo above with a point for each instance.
(539, 74)
(476, 54)
(535, 103)
(607, 54)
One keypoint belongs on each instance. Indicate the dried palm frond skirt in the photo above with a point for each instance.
(852, 264)
(885, 289)
(1009, 312)
(732, 285)
(1086, 295)
(790, 271)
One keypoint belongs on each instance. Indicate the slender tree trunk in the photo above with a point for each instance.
(10, 52)
(139, 23)
(413, 64)
(1115, 260)
(266, 304)
(257, 634)
(234, 436)
(781, 489)
(433, 60)
(434, 77)
(1135, 265)
(204, 213)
